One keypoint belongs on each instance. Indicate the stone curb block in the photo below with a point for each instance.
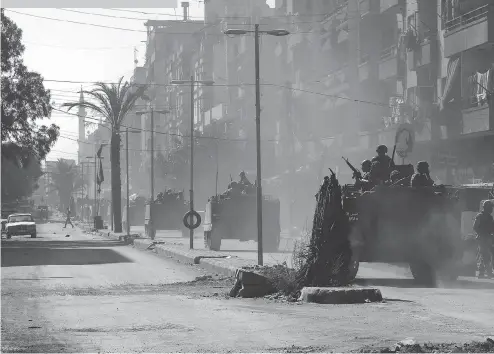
(223, 266)
(340, 295)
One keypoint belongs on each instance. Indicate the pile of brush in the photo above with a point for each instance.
(327, 256)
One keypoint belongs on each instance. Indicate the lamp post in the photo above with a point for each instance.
(127, 174)
(192, 83)
(82, 187)
(257, 32)
(152, 111)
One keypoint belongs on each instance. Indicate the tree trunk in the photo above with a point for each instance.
(116, 182)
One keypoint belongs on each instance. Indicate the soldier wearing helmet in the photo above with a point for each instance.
(243, 180)
(366, 168)
(422, 177)
(382, 164)
(382, 157)
(484, 228)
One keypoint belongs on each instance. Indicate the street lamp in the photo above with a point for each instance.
(192, 83)
(152, 111)
(277, 33)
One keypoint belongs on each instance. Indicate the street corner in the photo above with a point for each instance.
(339, 296)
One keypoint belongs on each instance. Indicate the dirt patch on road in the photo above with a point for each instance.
(472, 347)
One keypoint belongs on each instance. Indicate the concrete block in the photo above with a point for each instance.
(340, 295)
(251, 278)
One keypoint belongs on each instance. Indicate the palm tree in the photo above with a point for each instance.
(113, 102)
(65, 180)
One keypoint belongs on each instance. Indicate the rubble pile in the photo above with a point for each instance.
(473, 347)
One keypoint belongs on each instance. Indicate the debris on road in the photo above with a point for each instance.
(473, 347)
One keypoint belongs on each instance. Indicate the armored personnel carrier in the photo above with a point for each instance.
(165, 213)
(234, 217)
(401, 224)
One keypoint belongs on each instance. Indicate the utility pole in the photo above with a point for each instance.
(127, 173)
(82, 191)
(152, 154)
(258, 148)
(277, 33)
(96, 207)
(192, 82)
(191, 204)
(354, 56)
(139, 113)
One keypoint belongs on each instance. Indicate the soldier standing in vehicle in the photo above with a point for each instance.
(484, 228)
(422, 177)
(382, 157)
(243, 180)
(365, 183)
(382, 165)
(366, 168)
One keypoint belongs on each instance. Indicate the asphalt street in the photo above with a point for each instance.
(71, 292)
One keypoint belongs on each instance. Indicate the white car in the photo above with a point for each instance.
(20, 224)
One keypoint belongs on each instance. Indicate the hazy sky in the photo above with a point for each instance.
(73, 52)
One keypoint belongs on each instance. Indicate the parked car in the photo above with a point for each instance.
(20, 224)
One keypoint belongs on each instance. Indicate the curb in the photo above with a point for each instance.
(320, 295)
(214, 262)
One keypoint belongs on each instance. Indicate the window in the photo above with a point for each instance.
(20, 218)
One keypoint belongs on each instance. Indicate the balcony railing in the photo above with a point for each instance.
(466, 18)
(389, 52)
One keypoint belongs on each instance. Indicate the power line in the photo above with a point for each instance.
(247, 84)
(178, 21)
(82, 49)
(129, 29)
(76, 22)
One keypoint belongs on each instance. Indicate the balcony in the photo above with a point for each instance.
(388, 65)
(420, 56)
(387, 4)
(476, 119)
(472, 29)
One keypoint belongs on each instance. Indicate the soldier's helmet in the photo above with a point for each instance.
(422, 166)
(366, 165)
(382, 148)
(488, 205)
(242, 174)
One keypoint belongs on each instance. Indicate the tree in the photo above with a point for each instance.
(65, 180)
(113, 102)
(19, 182)
(24, 102)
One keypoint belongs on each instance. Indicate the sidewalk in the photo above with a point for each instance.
(233, 255)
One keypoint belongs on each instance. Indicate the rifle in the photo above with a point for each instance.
(231, 179)
(356, 173)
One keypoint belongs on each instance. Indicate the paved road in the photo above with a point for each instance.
(83, 293)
